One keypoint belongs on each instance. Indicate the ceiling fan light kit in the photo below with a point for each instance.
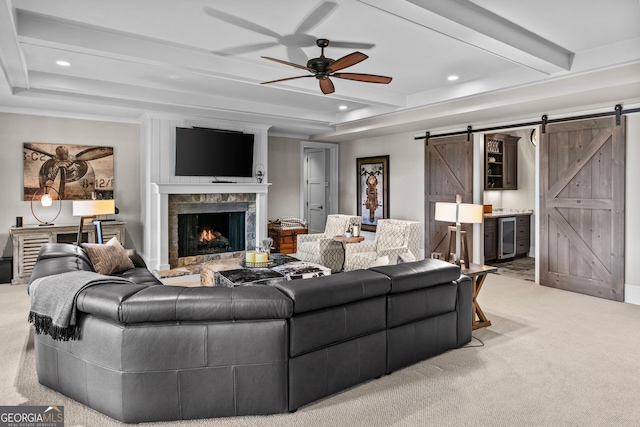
(322, 68)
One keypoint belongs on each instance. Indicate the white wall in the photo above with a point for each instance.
(284, 176)
(632, 207)
(406, 174)
(123, 137)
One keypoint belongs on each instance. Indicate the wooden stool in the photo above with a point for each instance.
(464, 246)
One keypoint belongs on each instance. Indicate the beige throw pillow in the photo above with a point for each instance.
(108, 258)
(406, 257)
(383, 260)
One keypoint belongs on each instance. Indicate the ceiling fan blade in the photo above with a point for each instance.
(245, 48)
(302, 67)
(318, 15)
(326, 86)
(369, 78)
(348, 61)
(242, 23)
(288, 78)
(352, 45)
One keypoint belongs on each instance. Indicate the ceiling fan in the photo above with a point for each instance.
(322, 68)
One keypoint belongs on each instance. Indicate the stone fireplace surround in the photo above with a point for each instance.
(208, 203)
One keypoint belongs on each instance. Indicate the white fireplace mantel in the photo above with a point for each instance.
(159, 259)
(212, 188)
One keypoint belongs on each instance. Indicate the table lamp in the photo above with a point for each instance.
(459, 213)
(89, 209)
(46, 201)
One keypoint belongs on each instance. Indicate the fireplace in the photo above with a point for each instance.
(210, 233)
(203, 227)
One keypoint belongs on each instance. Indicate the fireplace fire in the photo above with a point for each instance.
(210, 233)
(209, 238)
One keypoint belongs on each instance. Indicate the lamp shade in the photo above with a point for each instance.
(470, 214)
(464, 213)
(447, 212)
(93, 207)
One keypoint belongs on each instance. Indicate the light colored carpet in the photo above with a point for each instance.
(550, 358)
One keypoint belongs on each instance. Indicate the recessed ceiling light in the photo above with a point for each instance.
(343, 107)
(63, 63)
(452, 78)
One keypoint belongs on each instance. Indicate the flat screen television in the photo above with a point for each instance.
(212, 152)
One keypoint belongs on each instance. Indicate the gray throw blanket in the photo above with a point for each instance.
(53, 301)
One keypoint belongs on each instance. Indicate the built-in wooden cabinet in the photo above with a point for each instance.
(490, 239)
(491, 236)
(523, 234)
(28, 240)
(501, 162)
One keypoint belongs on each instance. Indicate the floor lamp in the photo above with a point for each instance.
(89, 209)
(459, 213)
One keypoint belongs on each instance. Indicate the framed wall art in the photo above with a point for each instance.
(373, 190)
(75, 172)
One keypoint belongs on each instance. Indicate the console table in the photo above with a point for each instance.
(27, 241)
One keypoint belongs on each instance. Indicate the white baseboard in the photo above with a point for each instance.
(632, 294)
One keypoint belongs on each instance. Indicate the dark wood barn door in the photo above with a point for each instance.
(448, 172)
(582, 184)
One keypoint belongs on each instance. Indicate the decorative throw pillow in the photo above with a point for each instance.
(108, 258)
(406, 257)
(383, 260)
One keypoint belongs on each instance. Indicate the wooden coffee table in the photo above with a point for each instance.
(478, 273)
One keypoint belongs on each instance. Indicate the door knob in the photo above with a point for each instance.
(319, 207)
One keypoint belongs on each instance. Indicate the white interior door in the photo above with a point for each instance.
(316, 190)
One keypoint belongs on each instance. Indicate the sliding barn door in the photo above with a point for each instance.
(582, 184)
(448, 172)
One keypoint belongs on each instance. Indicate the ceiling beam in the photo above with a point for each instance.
(12, 61)
(469, 23)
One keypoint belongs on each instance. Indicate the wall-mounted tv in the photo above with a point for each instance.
(212, 152)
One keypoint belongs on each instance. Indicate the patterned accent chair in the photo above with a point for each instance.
(394, 237)
(320, 248)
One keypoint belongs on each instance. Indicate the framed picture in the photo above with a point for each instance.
(373, 190)
(75, 172)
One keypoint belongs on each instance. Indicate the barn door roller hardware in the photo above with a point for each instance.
(543, 123)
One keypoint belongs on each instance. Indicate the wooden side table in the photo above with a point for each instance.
(345, 240)
(478, 273)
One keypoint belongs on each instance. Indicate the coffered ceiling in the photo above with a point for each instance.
(203, 57)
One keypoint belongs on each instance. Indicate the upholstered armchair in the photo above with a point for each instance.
(394, 238)
(320, 248)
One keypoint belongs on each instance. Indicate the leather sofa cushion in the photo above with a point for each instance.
(337, 289)
(142, 303)
(421, 304)
(139, 276)
(419, 274)
(323, 328)
(59, 258)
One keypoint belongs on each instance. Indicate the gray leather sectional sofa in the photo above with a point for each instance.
(149, 352)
